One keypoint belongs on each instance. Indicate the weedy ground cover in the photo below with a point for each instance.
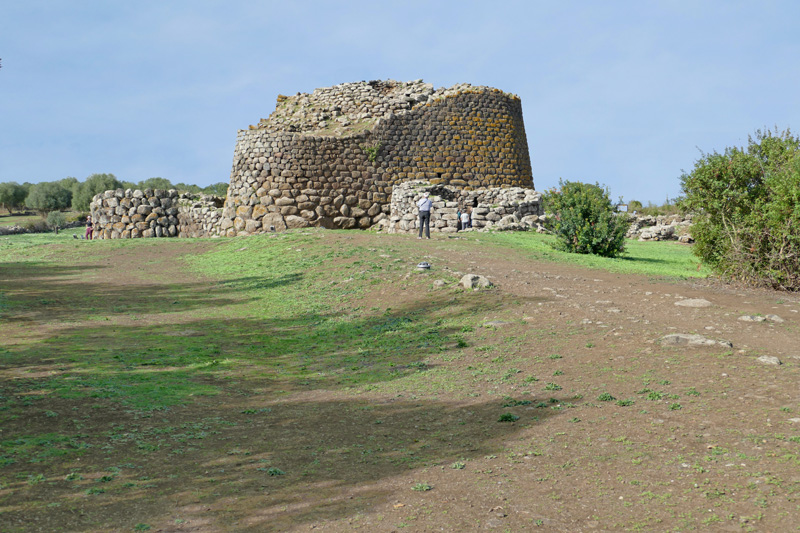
(318, 378)
(663, 259)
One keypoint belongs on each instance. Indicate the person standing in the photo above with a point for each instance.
(424, 204)
(466, 221)
(89, 228)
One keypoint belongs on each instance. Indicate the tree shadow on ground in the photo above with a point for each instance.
(44, 292)
(227, 423)
(230, 467)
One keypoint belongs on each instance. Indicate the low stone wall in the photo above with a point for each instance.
(661, 228)
(491, 208)
(123, 214)
(199, 215)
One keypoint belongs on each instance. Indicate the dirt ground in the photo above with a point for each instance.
(608, 428)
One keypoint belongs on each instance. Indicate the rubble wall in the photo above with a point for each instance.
(128, 214)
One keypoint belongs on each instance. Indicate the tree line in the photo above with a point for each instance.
(70, 193)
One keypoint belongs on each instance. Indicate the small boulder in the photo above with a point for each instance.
(686, 339)
(475, 282)
(769, 360)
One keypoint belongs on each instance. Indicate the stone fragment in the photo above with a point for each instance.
(752, 318)
(769, 360)
(693, 302)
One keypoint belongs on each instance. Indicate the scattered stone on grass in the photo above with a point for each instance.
(475, 282)
(439, 283)
(769, 360)
(495, 324)
(774, 318)
(686, 339)
(693, 302)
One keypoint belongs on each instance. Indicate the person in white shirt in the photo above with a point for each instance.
(466, 222)
(424, 204)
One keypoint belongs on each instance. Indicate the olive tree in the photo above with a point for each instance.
(48, 196)
(12, 195)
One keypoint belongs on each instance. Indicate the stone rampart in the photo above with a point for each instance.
(492, 208)
(333, 157)
(123, 214)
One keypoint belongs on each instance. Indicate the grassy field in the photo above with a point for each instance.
(663, 259)
(281, 382)
(10, 220)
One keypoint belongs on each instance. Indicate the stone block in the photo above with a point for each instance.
(345, 222)
(252, 225)
(273, 222)
(294, 222)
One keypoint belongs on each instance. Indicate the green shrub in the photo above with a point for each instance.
(35, 226)
(585, 221)
(56, 219)
(746, 203)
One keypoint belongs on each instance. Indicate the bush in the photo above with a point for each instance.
(747, 210)
(585, 221)
(35, 226)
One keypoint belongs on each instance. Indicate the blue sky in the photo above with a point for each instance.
(620, 93)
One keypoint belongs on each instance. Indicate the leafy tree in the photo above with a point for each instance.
(185, 187)
(82, 193)
(56, 220)
(634, 205)
(156, 183)
(217, 189)
(68, 183)
(746, 203)
(48, 196)
(12, 195)
(585, 221)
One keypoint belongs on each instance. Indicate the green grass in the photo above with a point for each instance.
(214, 375)
(10, 220)
(654, 259)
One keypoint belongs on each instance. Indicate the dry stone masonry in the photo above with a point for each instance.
(333, 157)
(661, 228)
(123, 214)
(509, 208)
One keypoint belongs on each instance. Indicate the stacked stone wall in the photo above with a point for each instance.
(466, 137)
(123, 214)
(491, 208)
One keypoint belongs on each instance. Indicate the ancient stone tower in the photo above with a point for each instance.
(332, 157)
